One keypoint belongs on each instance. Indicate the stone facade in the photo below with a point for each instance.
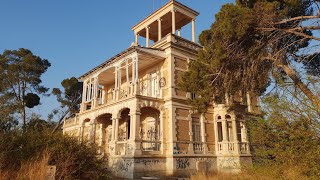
(134, 112)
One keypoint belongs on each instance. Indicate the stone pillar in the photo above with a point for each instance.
(116, 129)
(193, 31)
(127, 77)
(224, 135)
(101, 140)
(135, 140)
(147, 36)
(95, 92)
(161, 133)
(159, 30)
(136, 82)
(235, 137)
(203, 134)
(173, 21)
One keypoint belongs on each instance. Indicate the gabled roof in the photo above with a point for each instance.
(155, 52)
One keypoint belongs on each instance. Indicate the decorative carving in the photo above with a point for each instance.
(162, 82)
(186, 44)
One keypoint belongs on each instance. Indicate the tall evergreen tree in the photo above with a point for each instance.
(69, 98)
(251, 44)
(20, 79)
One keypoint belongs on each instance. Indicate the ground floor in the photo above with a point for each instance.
(140, 135)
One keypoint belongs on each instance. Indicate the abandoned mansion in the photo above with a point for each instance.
(133, 110)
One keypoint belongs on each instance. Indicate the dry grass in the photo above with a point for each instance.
(229, 176)
(31, 170)
(261, 173)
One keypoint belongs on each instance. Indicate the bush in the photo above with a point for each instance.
(74, 160)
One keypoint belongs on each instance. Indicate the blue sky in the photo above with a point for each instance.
(75, 35)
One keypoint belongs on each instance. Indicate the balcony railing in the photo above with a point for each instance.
(198, 148)
(233, 147)
(145, 88)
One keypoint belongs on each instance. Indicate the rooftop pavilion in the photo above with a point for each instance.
(170, 18)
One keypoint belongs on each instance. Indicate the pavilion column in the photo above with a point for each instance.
(179, 32)
(147, 36)
(193, 31)
(137, 39)
(159, 30)
(203, 134)
(173, 21)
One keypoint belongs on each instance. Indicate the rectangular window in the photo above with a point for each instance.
(196, 130)
(220, 136)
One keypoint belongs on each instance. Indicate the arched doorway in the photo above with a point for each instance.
(150, 129)
(104, 132)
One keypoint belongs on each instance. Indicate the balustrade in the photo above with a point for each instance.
(150, 145)
(230, 147)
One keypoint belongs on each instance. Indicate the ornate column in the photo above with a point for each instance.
(136, 82)
(173, 21)
(127, 77)
(115, 83)
(193, 31)
(147, 36)
(95, 92)
(137, 39)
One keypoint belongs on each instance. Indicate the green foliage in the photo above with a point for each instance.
(239, 57)
(71, 96)
(74, 160)
(31, 100)
(20, 79)
(288, 136)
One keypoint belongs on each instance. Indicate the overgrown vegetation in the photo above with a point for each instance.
(74, 160)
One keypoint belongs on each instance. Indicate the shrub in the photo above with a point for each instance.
(74, 160)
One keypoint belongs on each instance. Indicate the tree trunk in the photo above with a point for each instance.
(61, 120)
(297, 81)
